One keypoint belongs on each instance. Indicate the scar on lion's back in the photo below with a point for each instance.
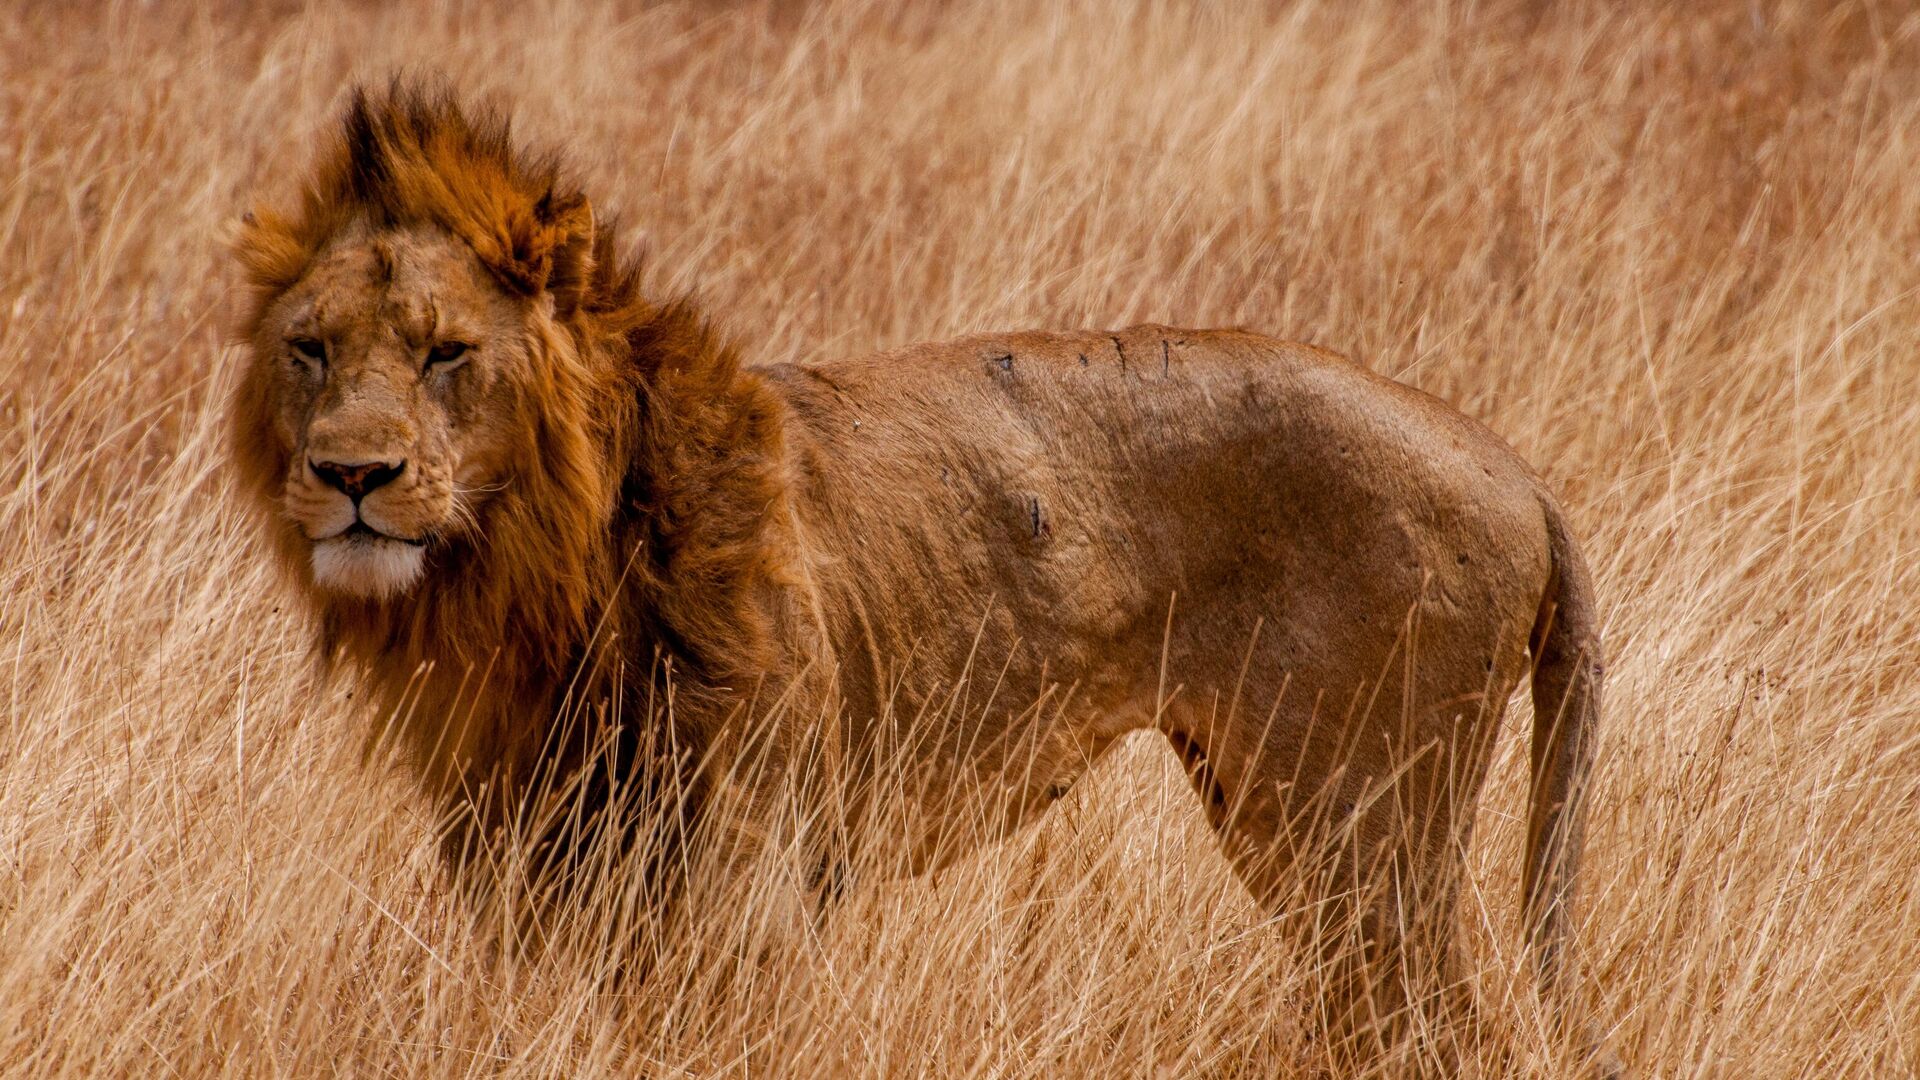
(1144, 352)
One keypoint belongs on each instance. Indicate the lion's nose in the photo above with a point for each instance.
(355, 481)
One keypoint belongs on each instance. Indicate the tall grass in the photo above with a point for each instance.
(1671, 257)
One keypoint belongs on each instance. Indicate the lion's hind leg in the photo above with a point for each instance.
(1356, 855)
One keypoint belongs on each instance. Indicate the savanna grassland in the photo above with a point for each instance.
(1675, 259)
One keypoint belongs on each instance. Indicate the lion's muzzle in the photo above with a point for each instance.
(368, 518)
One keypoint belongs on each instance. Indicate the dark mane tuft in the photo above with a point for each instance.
(411, 154)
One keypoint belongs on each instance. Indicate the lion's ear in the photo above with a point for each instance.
(569, 224)
(270, 249)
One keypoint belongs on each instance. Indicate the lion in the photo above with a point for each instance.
(487, 459)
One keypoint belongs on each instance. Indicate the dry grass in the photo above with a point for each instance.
(1672, 259)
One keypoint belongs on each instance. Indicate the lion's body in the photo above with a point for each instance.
(1320, 585)
(1051, 514)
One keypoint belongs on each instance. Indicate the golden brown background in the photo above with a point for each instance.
(1672, 258)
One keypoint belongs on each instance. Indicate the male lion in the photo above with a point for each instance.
(489, 458)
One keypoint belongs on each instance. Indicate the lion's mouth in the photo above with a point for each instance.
(360, 530)
(362, 561)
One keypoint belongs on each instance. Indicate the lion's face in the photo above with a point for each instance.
(390, 372)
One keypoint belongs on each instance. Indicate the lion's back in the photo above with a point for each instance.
(1173, 431)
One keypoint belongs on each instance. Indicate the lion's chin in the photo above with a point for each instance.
(370, 567)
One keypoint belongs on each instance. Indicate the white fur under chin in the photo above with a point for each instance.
(367, 566)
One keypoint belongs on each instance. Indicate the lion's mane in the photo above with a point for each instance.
(650, 504)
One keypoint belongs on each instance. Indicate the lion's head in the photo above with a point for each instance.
(408, 341)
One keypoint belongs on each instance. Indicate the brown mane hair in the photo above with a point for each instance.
(651, 511)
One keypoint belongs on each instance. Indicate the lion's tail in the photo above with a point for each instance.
(1567, 672)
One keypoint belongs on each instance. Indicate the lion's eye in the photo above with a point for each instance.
(447, 352)
(309, 349)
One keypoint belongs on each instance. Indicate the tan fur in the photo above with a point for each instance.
(1320, 585)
